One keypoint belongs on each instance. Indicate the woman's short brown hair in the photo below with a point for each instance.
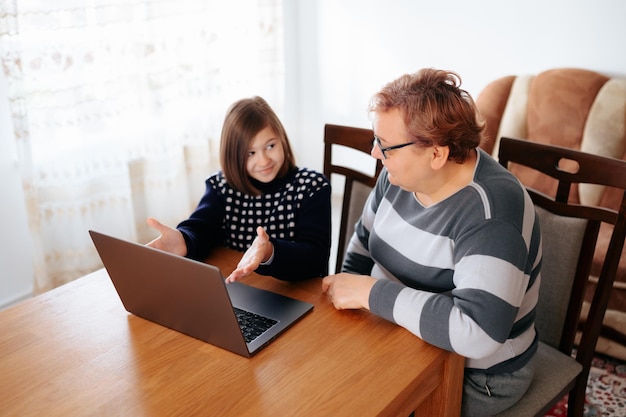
(436, 110)
(244, 120)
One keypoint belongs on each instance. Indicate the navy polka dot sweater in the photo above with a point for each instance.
(294, 210)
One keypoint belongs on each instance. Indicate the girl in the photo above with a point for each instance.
(260, 203)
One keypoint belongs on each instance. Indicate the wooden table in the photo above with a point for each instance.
(75, 351)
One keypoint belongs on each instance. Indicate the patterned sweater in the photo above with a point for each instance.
(462, 274)
(294, 210)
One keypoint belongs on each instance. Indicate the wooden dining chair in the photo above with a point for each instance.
(347, 158)
(569, 235)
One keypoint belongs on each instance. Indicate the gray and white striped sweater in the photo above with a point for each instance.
(462, 274)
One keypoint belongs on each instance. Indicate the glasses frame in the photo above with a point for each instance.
(383, 151)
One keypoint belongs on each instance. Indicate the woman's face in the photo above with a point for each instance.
(408, 167)
(265, 156)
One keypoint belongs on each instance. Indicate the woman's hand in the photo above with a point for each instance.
(169, 240)
(348, 291)
(260, 251)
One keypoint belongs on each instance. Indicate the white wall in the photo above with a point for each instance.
(16, 267)
(347, 49)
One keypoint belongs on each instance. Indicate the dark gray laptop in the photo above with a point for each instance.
(191, 297)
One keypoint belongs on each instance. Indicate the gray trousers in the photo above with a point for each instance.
(485, 395)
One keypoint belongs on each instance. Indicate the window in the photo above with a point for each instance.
(117, 106)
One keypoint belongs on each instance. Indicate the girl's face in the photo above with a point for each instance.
(265, 156)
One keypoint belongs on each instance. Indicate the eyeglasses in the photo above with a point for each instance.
(388, 148)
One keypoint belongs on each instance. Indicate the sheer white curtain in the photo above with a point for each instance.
(117, 106)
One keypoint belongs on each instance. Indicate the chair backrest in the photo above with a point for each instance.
(562, 245)
(347, 157)
(569, 235)
(570, 107)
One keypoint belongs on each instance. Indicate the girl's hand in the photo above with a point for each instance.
(260, 251)
(169, 240)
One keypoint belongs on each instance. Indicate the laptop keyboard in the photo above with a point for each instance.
(252, 325)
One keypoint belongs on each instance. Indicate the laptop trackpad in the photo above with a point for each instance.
(257, 300)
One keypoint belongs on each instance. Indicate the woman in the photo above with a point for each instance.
(260, 203)
(448, 245)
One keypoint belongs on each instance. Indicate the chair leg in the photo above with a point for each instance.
(576, 400)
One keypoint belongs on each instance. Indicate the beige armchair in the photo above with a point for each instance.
(573, 108)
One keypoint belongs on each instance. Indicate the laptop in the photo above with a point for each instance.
(192, 297)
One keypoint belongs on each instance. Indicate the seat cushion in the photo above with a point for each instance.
(553, 372)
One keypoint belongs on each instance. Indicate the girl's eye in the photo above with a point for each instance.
(271, 145)
(250, 153)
